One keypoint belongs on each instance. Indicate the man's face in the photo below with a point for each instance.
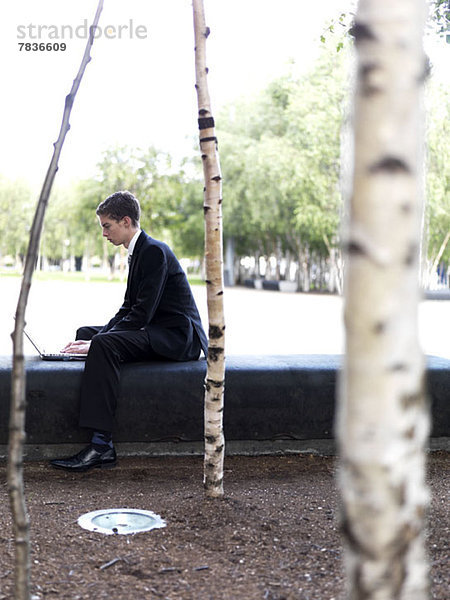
(116, 232)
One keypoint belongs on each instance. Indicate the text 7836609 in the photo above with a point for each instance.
(42, 47)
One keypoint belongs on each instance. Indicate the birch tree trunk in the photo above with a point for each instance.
(18, 381)
(383, 420)
(215, 376)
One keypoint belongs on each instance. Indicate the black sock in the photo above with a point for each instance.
(101, 440)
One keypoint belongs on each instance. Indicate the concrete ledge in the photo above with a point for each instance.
(152, 449)
(276, 403)
(442, 294)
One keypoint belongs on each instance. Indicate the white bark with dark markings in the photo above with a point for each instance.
(383, 421)
(215, 376)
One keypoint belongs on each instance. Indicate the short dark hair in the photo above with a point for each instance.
(119, 205)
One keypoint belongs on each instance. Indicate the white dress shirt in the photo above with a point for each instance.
(133, 244)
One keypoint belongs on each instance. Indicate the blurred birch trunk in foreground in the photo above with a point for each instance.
(215, 376)
(383, 421)
(18, 379)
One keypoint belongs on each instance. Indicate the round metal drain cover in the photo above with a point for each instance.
(113, 521)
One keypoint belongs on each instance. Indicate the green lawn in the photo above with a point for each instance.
(79, 277)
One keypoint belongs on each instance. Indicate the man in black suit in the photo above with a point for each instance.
(158, 320)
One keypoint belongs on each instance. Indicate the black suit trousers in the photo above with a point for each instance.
(100, 384)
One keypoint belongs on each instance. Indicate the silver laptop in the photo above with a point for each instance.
(55, 355)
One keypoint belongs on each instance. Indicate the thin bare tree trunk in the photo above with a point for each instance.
(335, 282)
(215, 376)
(18, 383)
(383, 420)
(441, 251)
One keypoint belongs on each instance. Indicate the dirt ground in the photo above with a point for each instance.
(275, 535)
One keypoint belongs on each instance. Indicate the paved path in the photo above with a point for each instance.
(258, 321)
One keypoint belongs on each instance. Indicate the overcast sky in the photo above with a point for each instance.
(139, 89)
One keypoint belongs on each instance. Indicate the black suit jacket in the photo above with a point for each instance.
(159, 299)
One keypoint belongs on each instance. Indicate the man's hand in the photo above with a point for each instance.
(78, 347)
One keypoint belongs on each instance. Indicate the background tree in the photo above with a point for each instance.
(84, 233)
(437, 220)
(188, 229)
(281, 164)
(440, 17)
(15, 218)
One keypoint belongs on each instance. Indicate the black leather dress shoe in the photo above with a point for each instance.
(87, 459)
